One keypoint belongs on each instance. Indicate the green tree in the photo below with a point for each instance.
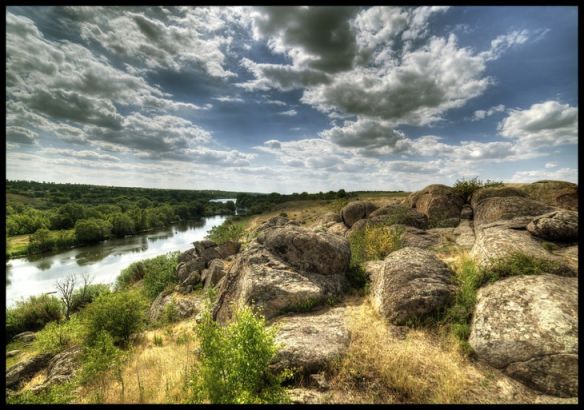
(92, 230)
(40, 241)
(122, 225)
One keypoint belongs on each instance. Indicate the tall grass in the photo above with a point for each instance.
(157, 273)
(230, 230)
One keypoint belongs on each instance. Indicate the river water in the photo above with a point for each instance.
(37, 274)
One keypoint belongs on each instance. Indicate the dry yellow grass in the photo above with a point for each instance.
(153, 373)
(381, 368)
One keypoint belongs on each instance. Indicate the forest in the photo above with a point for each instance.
(59, 216)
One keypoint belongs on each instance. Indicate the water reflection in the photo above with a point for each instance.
(37, 274)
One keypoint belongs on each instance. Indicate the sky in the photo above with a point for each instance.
(291, 99)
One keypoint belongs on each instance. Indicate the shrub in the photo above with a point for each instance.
(227, 231)
(169, 313)
(121, 314)
(40, 241)
(32, 314)
(56, 337)
(99, 359)
(233, 361)
(85, 295)
(466, 187)
(374, 242)
(158, 273)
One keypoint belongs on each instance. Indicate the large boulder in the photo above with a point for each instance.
(560, 194)
(399, 214)
(502, 239)
(330, 217)
(339, 229)
(440, 203)
(23, 371)
(494, 192)
(356, 210)
(528, 327)
(559, 226)
(307, 250)
(413, 284)
(501, 208)
(274, 222)
(311, 342)
(228, 248)
(273, 286)
(61, 368)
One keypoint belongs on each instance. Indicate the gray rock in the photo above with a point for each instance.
(261, 279)
(311, 342)
(559, 226)
(214, 273)
(339, 229)
(308, 251)
(494, 192)
(440, 203)
(560, 194)
(501, 208)
(274, 222)
(24, 337)
(23, 371)
(184, 306)
(466, 212)
(528, 326)
(228, 248)
(413, 283)
(400, 214)
(356, 210)
(330, 217)
(501, 239)
(62, 367)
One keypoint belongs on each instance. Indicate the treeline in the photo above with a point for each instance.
(258, 203)
(81, 221)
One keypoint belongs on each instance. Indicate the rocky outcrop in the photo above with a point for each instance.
(339, 229)
(308, 251)
(504, 238)
(61, 368)
(440, 203)
(413, 283)
(182, 306)
(212, 275)
(464, 232)
(558, 226)
(560, 194)
(494, 192)
(393, 214)
(502, 208)
(286, 269)
(466, 212)
(311, 342)
(274, 222)
(23, 371)
(528, 326)
(193, 262)
(354, 211)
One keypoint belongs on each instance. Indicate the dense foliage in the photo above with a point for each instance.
(121, 314)
(157, 273)
(258, 203)
(230, 230)
(466, 187)
(34, 205)
(233, 361)
(32, 314)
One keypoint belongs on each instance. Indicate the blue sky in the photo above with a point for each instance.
(291, 99)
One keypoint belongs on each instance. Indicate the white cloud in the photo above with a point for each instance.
(549, 165)
(545, 124)
(289, 113)
(482, 114)
(562, 174)
(230, 99)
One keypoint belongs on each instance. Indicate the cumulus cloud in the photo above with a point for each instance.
(84, 154)
(289, 113)
(549, 165)
(544, 124)
(175, 39)
(482, 114)
(364, 133)
(282, 77)
(562, 174)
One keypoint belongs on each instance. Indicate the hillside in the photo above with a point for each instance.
(443, 295)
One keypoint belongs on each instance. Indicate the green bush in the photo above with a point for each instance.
(520, 264)
(466, 187)
(58, 393)
(56, 337)
(85, 295)
(40, 241)
(121, 314)
(170, 313)
(227, 231)
(32, 314)
(233, 361)
(157, 273)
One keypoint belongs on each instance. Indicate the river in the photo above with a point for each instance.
(37, 274)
